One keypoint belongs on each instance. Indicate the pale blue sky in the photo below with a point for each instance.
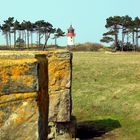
(87, 16)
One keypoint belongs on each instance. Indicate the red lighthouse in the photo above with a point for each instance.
(70, 36)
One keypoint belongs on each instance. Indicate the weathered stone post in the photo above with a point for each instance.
(61, 123)
(23, 96)
(35, 96)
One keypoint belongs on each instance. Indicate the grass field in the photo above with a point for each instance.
(106, 95)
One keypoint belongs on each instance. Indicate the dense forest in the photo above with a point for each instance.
(123, 31)
(22, 34)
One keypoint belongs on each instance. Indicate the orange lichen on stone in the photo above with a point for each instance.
(24, 110)
(18, 76)
(4, 75)
(6, 99)
(21, 108)
(28, 81)
(34, 87)
(18, 120)
(59, 74)
(18, 70)
(10, 62)
(2, 114)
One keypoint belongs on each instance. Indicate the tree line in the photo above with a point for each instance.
(22, 34)
(123, 31)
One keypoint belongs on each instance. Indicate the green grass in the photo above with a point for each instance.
(107, 87)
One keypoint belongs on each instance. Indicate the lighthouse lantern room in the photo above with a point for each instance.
(70, 36)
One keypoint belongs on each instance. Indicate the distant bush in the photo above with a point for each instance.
(3, 47)
(87, 47)
(20, 43)
(138, 49)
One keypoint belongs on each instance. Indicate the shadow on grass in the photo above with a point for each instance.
(90, 129)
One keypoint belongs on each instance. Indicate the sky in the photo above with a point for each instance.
(88, 17)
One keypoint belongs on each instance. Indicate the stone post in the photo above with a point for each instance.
(35, 96)
(23, 96)
(61, 123)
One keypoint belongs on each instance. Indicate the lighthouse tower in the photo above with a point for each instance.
(70, 36)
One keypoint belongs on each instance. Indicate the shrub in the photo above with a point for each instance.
(87, 47)
(20, 43)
